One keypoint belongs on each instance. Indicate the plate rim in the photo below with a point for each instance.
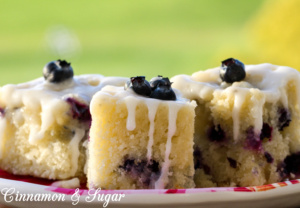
(173, 199)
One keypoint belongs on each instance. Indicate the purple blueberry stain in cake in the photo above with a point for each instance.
(232, 162)
(206, 169)
(290, 166)
(216, 134)
(80, 111)
(255, 171)
(2, 113)
(284, 118)
(266, 132)
(253, 141)
(128, 165)
(146, 173)
(282, 171)
(269, 157)
(198, 161)
(197, 158)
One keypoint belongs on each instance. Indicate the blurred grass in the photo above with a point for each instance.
(121, 38)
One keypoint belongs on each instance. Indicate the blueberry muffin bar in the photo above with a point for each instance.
(44, 122)
(141, 137)
(247, 123)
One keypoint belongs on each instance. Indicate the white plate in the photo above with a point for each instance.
(285, 194)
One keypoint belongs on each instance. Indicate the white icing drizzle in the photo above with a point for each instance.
(270, 80)
(74, 147)
(47, 119)
(239, 99)
(131, 104)
(35, 134)
(2, 132)
(163, 179)
(152, 108)
(48, 97)
(258, 114)
(132, 99)
(284, 99)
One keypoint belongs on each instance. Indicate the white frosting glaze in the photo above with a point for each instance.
(131, 100)
(238, 102)
(152, 108)
(131, 106)
(163, 179)
(40, 94)
(270, 79)
(258, 114)
(74, 147)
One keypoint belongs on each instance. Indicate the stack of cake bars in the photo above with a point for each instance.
(214, 133)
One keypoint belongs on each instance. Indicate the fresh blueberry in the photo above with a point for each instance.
(266, 131)
(162, 89)
(253, 141)
(284, 118)
(216, 134)
(58, 71)
(232, 70)
(232, 162)
(163, 93)
(269, 157)
(159, 79)
(80, 111)
(139, 85)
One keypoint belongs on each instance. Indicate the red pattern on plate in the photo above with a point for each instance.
(295, 181)
(265, 187)
(84, 191)
(243, 189)
(175, 191)
(29, 179)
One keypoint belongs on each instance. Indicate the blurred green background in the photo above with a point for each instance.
(129, 38)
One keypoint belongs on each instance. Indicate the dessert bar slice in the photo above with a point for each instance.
(247, 123)
(141, 137)
(44, 122)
